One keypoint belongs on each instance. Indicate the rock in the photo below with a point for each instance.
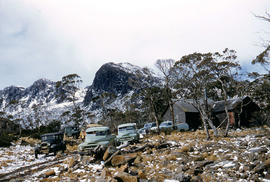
(49, 173)
(197, 171)
(123, 159)
(138, 160)
(262, 167)
(141, 175)
(86, 160)
(109, 151)
(196, 179)
(105, 173)
(125, 177)
(203, 163)
(72, 162)
(258, 150)
(181, 177)
(133, 171)
(123, 168)
(118, 160)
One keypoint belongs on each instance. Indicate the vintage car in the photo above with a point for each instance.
(50, 143)
(182, 127)
(71, 131)
(166, 126)
(149, 126)
(95, 137)
(127, 133)
(83, 131)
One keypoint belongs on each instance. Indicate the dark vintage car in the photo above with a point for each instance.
(50, 143)
(72, 131)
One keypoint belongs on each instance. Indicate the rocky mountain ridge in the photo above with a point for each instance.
(113, 85)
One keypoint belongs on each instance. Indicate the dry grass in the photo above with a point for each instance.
(186, 148)
(50, 179)
(207, 178)
(212, 158)
(29, 140)
(171, 158)
(72, 148)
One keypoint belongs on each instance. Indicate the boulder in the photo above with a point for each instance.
(262, 167)
(49, 173)
(109, 151)
(105, 173)
(125, 177)
(123, 159)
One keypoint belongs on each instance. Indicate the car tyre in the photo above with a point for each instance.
(36, 155)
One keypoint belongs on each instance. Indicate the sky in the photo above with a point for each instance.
(53, 38)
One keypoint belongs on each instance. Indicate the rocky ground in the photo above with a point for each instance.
(179, 156)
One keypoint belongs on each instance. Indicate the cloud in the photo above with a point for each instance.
(53, 38)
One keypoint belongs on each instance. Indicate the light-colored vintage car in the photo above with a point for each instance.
(127, 133)
(167, 126)
(96, 137)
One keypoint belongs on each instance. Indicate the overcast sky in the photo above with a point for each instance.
(53, 38)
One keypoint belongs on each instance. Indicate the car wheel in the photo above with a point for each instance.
(36, 155)
(54, 153)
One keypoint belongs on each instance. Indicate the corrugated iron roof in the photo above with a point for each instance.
(219, 106)
(186, 106)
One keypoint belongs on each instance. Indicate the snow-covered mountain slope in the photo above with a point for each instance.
(113, 87)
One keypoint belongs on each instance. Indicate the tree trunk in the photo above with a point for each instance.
(172, 113)
(154, 113)
(226, 108)
(206, 128)
(205, 118)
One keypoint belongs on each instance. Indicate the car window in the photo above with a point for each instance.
(127, 128)
(147, 125)
(91, 133)
(101, 133)
(48, 137)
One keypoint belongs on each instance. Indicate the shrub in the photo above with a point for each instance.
(5, 140)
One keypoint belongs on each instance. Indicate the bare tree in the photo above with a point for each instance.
(166, 67)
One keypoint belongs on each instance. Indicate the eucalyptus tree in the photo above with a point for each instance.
(261, 84)
(197, 72)
(68, 86)
(152, 95)
(224, 69)
(193, 77)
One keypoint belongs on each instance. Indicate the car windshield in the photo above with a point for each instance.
(147, 125)
(49, 137)
(68, 129)
(154, 124)
(127, 128)
(166, 124)
(98, 133)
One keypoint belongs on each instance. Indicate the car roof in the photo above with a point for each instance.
(101, 128)
(56, 133)
(167, 122)
(126, 124)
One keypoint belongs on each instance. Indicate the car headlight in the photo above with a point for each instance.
(53, 146)
(80, 147)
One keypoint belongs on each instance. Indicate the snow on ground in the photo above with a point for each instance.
(232, 158)
(18, 156)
